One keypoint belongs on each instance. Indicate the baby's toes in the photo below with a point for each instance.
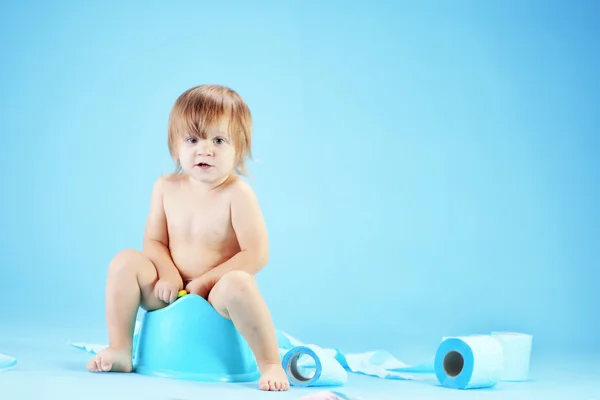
(92, 365)
(263, 384)
(105, 365)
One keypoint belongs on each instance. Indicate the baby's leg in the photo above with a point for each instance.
(236, 296)
(130, 283)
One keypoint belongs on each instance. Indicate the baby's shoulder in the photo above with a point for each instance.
(165, 185)
(242, 194)
(239, 188)
(168, 181)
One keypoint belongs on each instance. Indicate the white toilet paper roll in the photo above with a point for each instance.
(516, 348)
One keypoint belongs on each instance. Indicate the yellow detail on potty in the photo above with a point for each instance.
(189, 340)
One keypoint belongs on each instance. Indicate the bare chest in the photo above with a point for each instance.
(194, 221)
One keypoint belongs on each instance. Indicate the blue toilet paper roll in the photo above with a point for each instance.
(469, 362)
(327, 370)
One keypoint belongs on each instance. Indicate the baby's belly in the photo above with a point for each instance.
(194, 260)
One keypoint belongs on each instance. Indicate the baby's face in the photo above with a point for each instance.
(208, 160)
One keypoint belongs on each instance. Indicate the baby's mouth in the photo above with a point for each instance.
(203, 165)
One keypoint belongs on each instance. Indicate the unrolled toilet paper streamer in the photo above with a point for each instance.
(329, 395)
(314, 369)
(7, 362)
(516, 348)
(469, 362)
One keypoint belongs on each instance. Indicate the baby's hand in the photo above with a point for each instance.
(201, 285)
(168, 287)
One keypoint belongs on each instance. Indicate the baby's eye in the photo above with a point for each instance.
(219, 140)
(191, 140)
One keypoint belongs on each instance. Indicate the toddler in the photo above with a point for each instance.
(205, 233)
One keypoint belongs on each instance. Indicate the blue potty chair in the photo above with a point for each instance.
(189, 340)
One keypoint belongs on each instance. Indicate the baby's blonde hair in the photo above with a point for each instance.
(202, 106)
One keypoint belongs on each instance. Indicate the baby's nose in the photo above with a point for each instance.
(204, 149)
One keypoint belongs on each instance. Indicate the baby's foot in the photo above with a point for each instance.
(111, 359)
(272, 377)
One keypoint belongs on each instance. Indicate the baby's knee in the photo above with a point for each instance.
(233, 288)
(124, 260)
(236, 283)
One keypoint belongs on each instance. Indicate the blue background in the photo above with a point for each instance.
(425, 168)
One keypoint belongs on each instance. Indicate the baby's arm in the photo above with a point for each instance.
(249, 226)
(156, 238)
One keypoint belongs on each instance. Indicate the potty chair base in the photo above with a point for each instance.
(189, 340)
